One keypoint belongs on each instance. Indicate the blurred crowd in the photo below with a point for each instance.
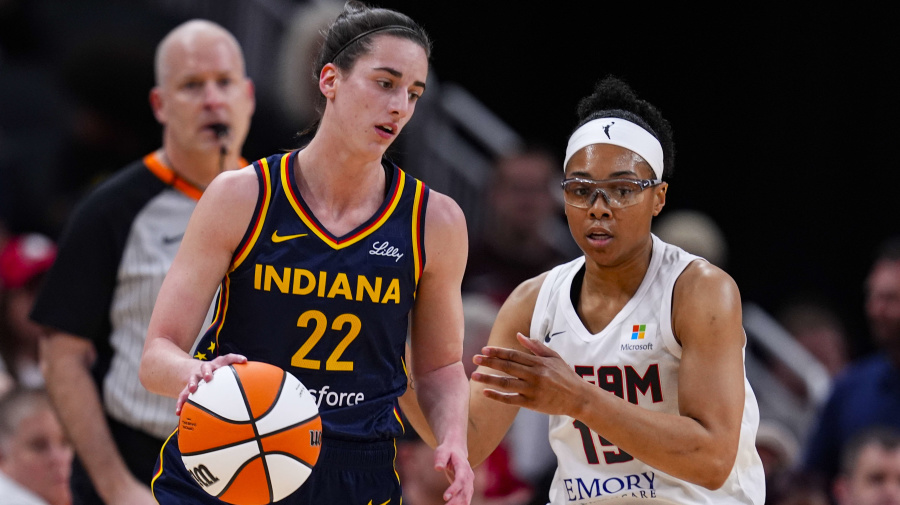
(73, 109)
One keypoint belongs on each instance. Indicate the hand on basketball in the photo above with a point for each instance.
(204, 371)
(541, 381)
(455, 464)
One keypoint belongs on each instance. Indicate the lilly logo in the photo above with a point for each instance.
(386, 249)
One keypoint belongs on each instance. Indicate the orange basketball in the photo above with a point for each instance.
(251, 435)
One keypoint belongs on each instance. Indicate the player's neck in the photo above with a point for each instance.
(335, 176)
(603, 293)
(624, 277)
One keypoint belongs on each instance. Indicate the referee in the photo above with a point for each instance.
(117, 247)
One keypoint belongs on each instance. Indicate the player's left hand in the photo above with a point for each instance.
(203, 370)
(455, 464)
(541, 381)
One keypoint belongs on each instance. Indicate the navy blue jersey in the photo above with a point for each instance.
(333, 311)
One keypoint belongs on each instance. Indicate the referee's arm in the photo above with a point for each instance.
(66, 361)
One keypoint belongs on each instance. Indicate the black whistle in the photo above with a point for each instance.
(221, 132)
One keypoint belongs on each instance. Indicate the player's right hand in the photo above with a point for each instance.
(203, 370)
(459, 472)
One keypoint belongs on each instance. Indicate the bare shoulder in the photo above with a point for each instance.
(446, 237)
(226, 207)
(525, 295)
(516, 313)
(235, 186)
(706, 304)
(703, 278)
(443, 212)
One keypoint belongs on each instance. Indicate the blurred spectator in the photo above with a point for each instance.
(523, 235)
(694, 232)
(778, 448)
(821, 332)
(870, 469)
(35, 457)
(797, 488)
(867, 393)
(297, 87)
(23, 262)
(495, 483)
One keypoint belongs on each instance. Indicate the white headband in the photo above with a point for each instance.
(620, 132)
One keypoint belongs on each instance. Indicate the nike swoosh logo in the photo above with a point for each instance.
(548, 337)
(385, 503)
(276, 238)
(173, 239)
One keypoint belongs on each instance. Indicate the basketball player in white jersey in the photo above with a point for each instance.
(655, 326)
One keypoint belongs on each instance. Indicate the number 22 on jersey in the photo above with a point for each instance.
(348, 324)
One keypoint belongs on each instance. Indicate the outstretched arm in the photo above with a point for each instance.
(214, 231)
(699, 444)
(436, 344)
(488, 421)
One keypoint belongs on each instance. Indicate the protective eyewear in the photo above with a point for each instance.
(617, 193)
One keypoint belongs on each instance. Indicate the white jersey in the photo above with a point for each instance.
(637, 357)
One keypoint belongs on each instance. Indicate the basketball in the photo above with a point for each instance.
(251, 435)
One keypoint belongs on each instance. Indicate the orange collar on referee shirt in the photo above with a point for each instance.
(168, 176)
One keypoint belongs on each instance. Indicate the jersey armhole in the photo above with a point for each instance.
(541, 318)
(264, 179)
(666, 329)
(420, 204)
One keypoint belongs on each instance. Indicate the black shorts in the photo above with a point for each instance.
(346, 472)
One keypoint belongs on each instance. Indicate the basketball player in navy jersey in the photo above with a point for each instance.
(324, 257)
(655, 326)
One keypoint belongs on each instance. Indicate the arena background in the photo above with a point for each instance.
(784, 116)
